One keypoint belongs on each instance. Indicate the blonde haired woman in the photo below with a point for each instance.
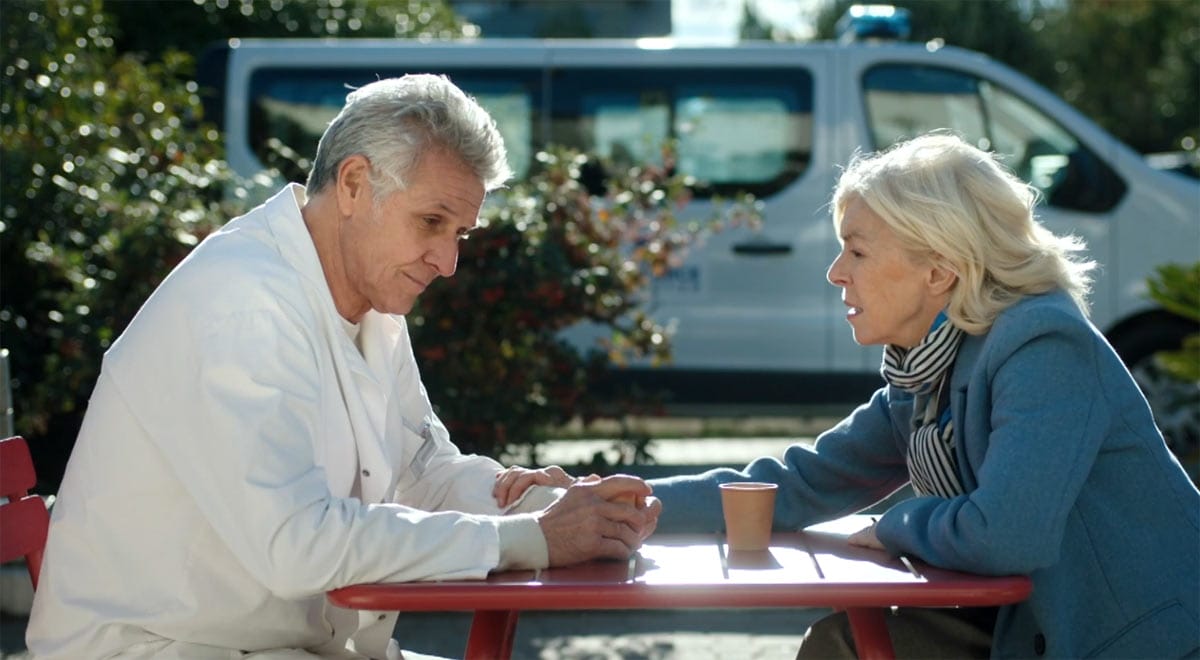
(1028, 446)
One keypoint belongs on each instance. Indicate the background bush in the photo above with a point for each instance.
(550, 255)
(110, 177)
(1175, 375)
(1177, 288)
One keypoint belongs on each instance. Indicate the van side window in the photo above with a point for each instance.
(733, 130)
(714, 145)
(292, 107)
(628, 129)
(904, 100)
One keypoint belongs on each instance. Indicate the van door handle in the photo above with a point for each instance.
(762, 248)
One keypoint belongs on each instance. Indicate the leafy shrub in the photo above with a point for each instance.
(548, 256)
(111, 177)
(1177, 289)
(109, 180)
(1172, 380)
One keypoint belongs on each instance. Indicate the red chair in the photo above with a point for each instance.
(24, 520)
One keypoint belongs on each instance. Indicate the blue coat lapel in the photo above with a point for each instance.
(964, 367)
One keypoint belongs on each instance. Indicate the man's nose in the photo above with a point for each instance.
(444, 257)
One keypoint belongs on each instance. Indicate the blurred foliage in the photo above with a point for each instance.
(550, 255)
(752, 27)
(109, 178)
(1010, 31)
(1132, 66)
(201, 28)
(1177, 289)
(154, 27)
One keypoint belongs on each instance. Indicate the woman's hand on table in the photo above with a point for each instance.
(866, 538)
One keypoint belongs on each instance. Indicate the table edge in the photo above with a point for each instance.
(466, 596)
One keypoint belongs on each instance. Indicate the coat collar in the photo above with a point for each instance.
(368, 377)
(964, 365)
(286, 224)
(380, 332)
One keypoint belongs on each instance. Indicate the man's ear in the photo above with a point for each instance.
(353, 181)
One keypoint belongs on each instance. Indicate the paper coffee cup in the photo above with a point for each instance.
(749, 509)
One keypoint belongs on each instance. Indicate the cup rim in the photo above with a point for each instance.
(748, 485)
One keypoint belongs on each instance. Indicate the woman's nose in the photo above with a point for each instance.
(835, 274)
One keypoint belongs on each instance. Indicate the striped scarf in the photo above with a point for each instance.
(924, 370)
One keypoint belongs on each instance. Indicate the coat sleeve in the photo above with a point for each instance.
(451, 480)
(235, 411)
(1047, 413)
(442, 478)
(851, 466)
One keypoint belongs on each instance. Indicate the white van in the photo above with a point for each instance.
(756, 321)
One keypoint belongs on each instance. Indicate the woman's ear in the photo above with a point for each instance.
(941, 278)
(353, 181)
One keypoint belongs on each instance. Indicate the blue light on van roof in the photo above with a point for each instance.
(862, 22)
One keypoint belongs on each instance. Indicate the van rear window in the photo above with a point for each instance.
(734, 130)
(291, 107)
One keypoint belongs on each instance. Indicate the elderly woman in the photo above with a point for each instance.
(1028, 446)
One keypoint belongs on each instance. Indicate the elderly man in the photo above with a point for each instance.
(259, 434)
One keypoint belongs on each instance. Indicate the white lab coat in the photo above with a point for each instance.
(240, 457)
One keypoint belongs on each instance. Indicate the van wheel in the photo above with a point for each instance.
(1175, 403)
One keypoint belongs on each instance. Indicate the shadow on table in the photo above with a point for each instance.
(752, 560)
(624, 634)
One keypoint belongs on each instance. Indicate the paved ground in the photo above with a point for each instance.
(617, 635)
(629, 635)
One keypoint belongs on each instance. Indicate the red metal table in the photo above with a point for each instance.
(811, 568)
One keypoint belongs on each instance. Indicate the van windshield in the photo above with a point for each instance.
(906, 100)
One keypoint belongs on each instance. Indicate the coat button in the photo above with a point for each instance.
(366, 473)
(1039, 644)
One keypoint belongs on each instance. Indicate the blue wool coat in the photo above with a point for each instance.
(1067, 479)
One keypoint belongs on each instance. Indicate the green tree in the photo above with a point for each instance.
(752, 27)
(1133, 66)
(1007, 30)
(153, 27)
